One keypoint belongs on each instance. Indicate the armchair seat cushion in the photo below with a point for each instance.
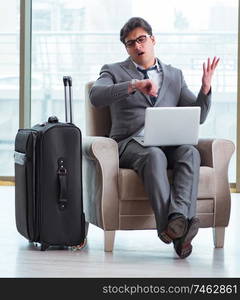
(131, 186)
(135, 209)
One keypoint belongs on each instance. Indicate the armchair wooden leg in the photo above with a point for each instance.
(218, 236)
(109, 240)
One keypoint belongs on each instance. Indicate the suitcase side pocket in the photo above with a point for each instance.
(25, 208)
(21, 195)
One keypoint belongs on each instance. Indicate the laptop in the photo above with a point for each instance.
(170, 126)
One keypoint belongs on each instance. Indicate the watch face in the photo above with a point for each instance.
(133, 83)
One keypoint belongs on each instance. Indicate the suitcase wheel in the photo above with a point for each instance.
(80, 246)
(44, 246)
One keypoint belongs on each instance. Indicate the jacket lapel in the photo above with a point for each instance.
(130, 68)
(165, 83)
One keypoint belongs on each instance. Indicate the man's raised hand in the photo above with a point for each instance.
(208, 71)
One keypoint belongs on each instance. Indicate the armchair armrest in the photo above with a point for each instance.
(216, 153)
(100, 181)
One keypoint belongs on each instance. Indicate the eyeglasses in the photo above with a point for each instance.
(140, 40)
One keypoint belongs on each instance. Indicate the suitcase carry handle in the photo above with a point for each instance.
(62, 177)
(67, 81)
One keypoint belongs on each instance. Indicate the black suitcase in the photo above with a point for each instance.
(48, 181)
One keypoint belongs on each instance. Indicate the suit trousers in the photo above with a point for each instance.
(152, 163)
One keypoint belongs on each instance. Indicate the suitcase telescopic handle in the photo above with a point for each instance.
(67, 82)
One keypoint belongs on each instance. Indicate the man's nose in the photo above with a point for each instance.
(137, 45)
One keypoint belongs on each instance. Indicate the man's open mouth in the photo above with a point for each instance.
(140, 53)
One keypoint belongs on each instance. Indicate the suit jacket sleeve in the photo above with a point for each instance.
(187, 98)
(107, 89)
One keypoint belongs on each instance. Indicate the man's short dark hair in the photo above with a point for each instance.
(131, 25)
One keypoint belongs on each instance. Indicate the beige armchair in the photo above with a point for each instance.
(114, 198)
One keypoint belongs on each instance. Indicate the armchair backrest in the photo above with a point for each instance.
(98, 120)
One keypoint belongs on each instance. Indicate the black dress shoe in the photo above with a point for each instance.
(176, 228)
(183, 246)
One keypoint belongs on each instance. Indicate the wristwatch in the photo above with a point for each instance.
(132, 86)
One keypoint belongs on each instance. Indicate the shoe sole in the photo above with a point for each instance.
(186, 248)
(172, 232)
(165, 238)
(177, 228)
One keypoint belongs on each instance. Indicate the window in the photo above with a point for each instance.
(9, 83)
(77, 37)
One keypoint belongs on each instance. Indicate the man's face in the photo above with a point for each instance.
(141, 52)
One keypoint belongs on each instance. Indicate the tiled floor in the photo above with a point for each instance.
(136, 253)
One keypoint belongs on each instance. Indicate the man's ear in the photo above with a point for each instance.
(153, 39)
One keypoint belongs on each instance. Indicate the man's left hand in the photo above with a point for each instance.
(208, 74)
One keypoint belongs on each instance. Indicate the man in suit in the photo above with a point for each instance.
(128, 88)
